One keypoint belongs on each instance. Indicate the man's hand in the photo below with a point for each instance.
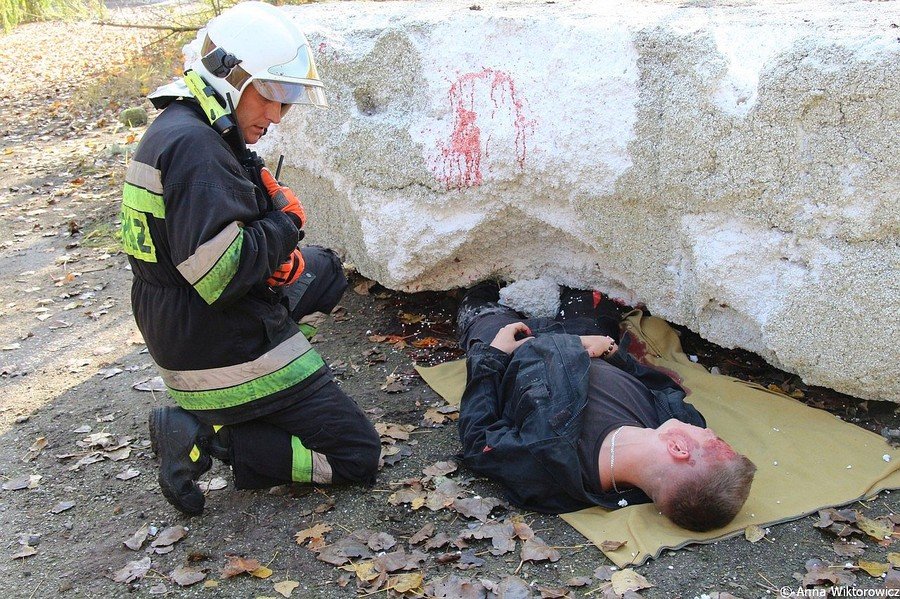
(599, 346)
(288, 272)
(284, 198)
(506, 341)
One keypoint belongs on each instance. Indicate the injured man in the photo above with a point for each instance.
(563, 417)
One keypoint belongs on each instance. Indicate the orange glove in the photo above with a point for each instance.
(288, 272)
(284, 198)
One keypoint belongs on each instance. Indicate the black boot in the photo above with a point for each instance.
(480, 299)
(577, 303)
(180, 441)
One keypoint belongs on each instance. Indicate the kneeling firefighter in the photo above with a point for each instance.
(219, 282)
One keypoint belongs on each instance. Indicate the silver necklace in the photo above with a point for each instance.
(612, 459)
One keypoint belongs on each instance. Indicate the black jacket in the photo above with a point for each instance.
(202, 239)
(520, 419)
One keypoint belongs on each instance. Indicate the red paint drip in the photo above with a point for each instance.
(461, 156)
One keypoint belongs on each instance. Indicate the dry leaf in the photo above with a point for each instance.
(132, 571)
(628, 580)
(150, 384)
(24, 481)
(875, 569)
(185, 576)
(381, 541)
(476, 507)
(423, 533)
(312, 534)
(754, 533)
(261, 572)
(612, 545)
(169, 536)
(894, 559)
(26, 551)
(137, 539)
(849, 548)
(239, 565)
(875, 528)
(364, 286)
(405, 583)
(440, 468)
(426, 343)
(39, 444)
(286, 587)
(407, 318)
(216, 484)
(128, 474)
(62, 506)
(536, 550)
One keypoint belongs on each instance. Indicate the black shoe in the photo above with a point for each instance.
(577, 303)
(180, 441)
(476, 301)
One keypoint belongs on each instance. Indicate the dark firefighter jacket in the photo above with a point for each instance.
(520, 419)
(202, 239)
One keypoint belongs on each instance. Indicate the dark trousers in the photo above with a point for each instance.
(576, 316)
(264, 451)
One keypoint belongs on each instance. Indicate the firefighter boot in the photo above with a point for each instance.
(176, 436)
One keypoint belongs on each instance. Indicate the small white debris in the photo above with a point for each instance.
(849, 466)
(886, 458)
(623, 503)
(775, 463)
(693, 358)
(777, 430)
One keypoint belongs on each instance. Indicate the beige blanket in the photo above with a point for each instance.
(807, 459)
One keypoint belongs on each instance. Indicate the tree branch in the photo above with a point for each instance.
(172, 28)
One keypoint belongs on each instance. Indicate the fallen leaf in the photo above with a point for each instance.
(754, 533)
(579, 581)
(426, 343)
(476, 507)
(132, 571)
(875, 528)
(536, 550)
(62, 506)
(381, 541)
(364, 570)
(24, 481)
(407, 318)
(551, 593)
(398, 560)
(612, 545)
(849, 548)
(364, 286)
(311, 534)
(185, 576)
(286, 587)
(26, 551)
(874, 569)
(628, 580)
(818, 572)
(468, 560)
(261, 572)
(169, 536)
(216, 484)
(894, 559)
(440, 468)
(456, 587)
(150, 384)
(39, 444)
(238, 565)
(405, 583)
(137, 539)
(604, 572)
(128, 474)
(393, 384)
(422, 534)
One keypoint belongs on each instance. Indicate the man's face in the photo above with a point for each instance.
(255, 113)
(697, 438)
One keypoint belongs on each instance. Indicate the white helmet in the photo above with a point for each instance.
(254, 41)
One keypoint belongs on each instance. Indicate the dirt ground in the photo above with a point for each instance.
(80, 479)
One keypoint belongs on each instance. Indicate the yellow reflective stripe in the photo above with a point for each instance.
(136, 238)
(229, 376)
(301, 462)
(217, 399)
(213, 283)
(142, 200)
(195, 453)
(144, 176)
(205, 257)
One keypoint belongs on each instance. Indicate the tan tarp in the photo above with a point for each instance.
(807, 459)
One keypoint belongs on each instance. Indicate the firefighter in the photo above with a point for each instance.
(220, 283)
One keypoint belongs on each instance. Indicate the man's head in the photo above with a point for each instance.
(254, 51)
(703, 482)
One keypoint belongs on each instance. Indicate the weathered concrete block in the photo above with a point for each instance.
(733, 167)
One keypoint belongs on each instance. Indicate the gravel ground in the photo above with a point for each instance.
(71, 355)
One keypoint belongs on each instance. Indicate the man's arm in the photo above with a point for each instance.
(221, 243)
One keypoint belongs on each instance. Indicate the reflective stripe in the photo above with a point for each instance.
(206, 256)
(301, 462)
(136, 238)
(195, 453)
(321, 469)
(144, 176)
(142, 200)
(308, 330)
(213, 283)
(216, 388)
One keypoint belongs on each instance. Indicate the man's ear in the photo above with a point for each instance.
(677, 447)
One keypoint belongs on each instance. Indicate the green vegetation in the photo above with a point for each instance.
(13, 12)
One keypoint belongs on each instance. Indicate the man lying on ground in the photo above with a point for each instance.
(563, 417)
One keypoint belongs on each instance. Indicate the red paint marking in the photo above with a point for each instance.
(461, 156)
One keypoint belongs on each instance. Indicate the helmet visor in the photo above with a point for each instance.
(291, 92)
